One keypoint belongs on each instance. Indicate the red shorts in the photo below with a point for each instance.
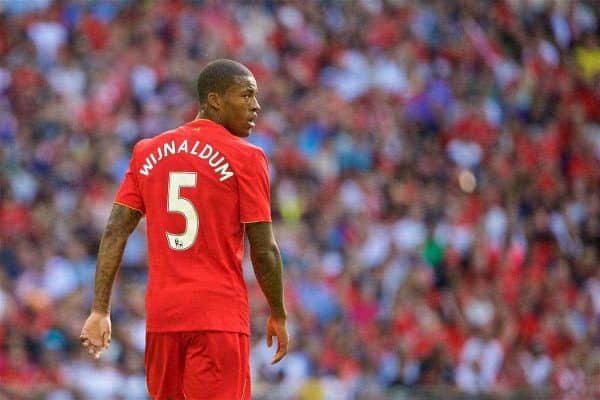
(197, 365)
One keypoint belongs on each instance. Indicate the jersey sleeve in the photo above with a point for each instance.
(255, 190)
(129, 193)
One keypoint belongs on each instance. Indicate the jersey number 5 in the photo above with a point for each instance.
(178, 204)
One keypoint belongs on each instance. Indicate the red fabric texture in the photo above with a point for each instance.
(199, 284)
(197, 365)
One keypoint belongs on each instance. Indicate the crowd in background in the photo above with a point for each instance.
(435, 170)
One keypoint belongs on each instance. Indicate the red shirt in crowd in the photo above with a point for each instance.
(197, 185)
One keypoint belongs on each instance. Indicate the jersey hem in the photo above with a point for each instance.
(148, 330)
(128, 206)
(258, 220)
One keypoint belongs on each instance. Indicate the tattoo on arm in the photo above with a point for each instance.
(266, 261)
(121, 223)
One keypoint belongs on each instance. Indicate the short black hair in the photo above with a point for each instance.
(218, 76)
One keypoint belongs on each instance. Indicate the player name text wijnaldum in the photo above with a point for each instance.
(207, 152)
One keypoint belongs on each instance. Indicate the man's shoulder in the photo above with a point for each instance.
(248, 155)
(146, 143)
(250, 149)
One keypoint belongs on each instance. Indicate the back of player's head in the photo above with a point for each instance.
(218, 76)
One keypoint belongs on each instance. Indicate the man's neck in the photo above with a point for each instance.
(203, 114)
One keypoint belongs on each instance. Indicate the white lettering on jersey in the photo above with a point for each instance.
(225, 173)
(194, 152)
(183, 146)
(145, 170)
(206, 151)
(212, 159)
(219, 164)
(169, 148)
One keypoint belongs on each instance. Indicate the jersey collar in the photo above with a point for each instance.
(205, 122)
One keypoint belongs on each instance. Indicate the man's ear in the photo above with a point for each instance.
(213, 100)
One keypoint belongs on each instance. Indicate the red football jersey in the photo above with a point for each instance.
(197, 185)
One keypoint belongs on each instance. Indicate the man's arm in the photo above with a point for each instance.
(266, 261)
(96, 331)
(121, 223)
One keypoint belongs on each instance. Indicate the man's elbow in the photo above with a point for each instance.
(265, 253)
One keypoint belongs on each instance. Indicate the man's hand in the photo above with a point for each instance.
(95, 334)
(277, 327)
